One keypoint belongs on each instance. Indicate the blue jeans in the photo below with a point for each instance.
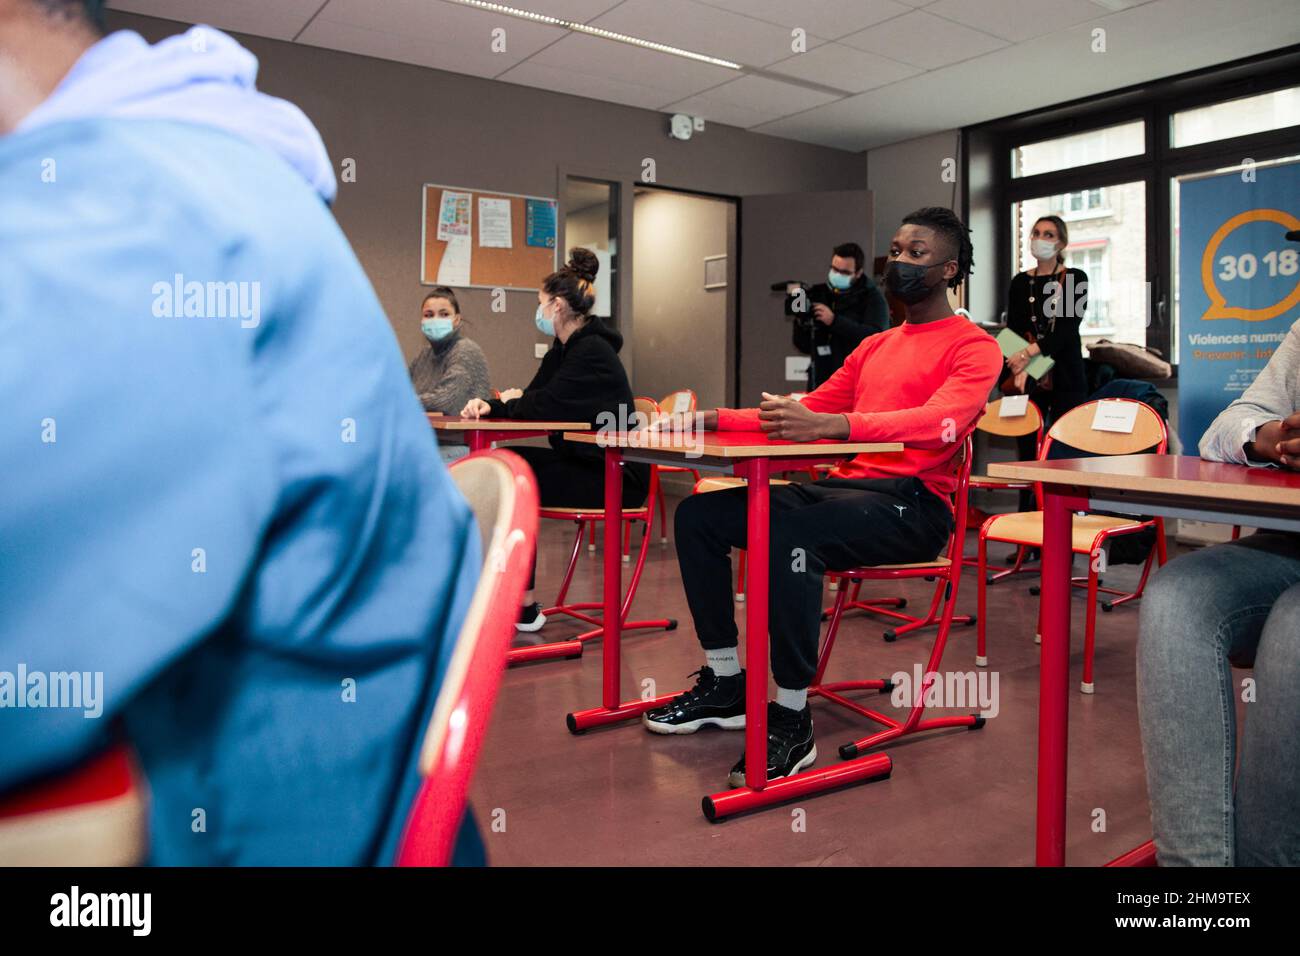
(1235, 603)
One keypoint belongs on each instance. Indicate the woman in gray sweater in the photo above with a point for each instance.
(452, 370)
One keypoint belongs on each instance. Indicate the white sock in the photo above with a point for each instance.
(724, 661)
(795, 700)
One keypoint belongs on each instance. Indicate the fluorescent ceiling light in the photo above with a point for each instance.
(594, 31)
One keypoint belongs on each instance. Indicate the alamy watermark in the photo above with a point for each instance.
(192, 299)
(949, 689)
(74, 690)
(667, 431)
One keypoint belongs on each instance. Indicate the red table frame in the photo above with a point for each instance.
(757, 792)
(1166, 485)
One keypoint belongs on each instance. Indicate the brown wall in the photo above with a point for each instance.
(406, 125)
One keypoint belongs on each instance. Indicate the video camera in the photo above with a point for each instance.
(799, 299)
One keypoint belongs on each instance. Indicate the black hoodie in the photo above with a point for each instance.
(578, 380)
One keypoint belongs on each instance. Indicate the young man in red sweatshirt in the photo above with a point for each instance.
(925, 384)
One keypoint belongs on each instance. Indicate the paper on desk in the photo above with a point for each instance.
(1010, 343)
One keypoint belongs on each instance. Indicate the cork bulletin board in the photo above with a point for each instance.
(472, 238)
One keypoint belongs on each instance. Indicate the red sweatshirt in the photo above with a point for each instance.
(922, 385)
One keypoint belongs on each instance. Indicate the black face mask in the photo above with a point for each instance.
(907, 281)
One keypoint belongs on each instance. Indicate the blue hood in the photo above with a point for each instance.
(201, 76)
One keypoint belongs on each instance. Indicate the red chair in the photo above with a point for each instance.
(94, 815)
(502, 492)
(1090, 532)
(589, 517)
(947, 569)
(993, 422)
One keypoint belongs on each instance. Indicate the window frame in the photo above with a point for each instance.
(1155, 103)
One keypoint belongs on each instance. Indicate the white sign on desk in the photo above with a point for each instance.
(1014, 406)
(1113, 416)
(796, 368)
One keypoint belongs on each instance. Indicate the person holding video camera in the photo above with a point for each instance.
(832, 318)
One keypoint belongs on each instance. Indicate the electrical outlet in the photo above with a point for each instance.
(540, 350)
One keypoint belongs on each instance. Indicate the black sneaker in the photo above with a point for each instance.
(531, 618)
(790, 746)
(715, 700)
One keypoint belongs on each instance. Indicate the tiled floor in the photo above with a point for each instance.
(621, 796)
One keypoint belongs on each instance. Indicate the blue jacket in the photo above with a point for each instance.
(220, 494)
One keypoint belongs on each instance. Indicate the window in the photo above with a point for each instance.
(1088, 202)
(1240, 117)
(1079, 149)
(1095, 261)
(1113, 168)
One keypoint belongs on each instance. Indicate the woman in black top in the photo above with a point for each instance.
(580, 379)
(1045, 306)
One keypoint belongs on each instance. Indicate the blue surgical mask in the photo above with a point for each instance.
(544, 325)
(437, 328)
(838, 280)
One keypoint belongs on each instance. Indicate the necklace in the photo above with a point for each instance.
(1032, 298)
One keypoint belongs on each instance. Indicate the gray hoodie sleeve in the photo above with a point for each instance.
(1273, 396)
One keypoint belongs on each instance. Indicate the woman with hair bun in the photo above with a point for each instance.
(580, 379)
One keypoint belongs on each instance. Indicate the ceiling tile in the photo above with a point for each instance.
(751, 100)
(701, 29)
(607, 89)
(599, 59)
(444, 36)
(923, 40)
(280, 20)
(822, 18)
(833, 64)
(1019, 19)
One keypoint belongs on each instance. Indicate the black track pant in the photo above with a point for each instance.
(834, 524)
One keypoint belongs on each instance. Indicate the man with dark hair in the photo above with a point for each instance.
(923, 383)
(833, 317)
(221, 495)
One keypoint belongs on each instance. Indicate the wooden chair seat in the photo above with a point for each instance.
(591, 512)
(722, 483)
(1026, 527)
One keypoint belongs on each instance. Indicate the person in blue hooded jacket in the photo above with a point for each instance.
(222, 503)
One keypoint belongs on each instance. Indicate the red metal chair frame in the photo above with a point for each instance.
(503, 493)
(572, 647)
(985, 483)
(949, 578)
(1092, 580)
(92, 815)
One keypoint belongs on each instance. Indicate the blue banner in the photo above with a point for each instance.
(1238, 284)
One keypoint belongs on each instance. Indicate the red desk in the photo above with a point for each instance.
(1166, 485)
(749, 455)
(480, 433)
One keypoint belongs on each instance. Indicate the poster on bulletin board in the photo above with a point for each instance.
(476, 239)
(1239, 284)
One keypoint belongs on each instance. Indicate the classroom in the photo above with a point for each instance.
(684, 434)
